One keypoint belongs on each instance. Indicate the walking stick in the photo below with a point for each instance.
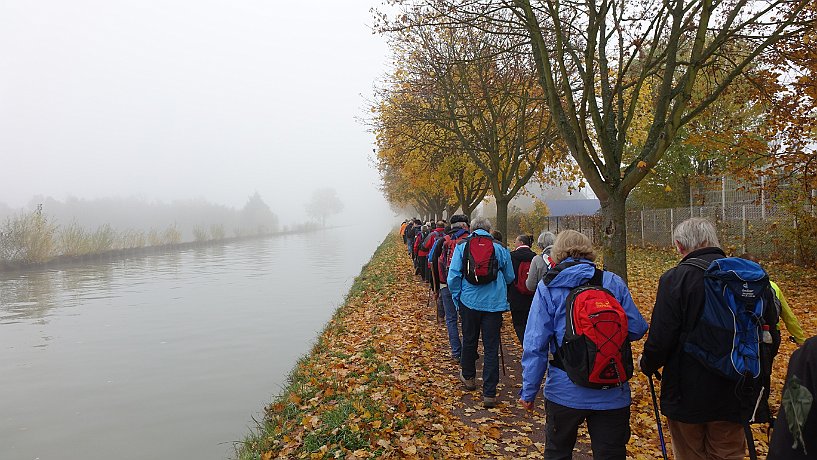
(658, 417)
(501, 354)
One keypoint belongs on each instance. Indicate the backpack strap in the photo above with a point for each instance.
(696, 262)
(597, 279)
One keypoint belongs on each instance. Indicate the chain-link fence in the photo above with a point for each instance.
(760, 230)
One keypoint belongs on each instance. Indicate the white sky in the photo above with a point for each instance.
(184, 99)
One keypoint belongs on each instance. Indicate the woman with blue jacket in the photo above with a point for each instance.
(567, 405)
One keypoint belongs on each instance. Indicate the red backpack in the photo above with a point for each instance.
(480, 265)
(446, 253)
(596, 351)
(521, 277)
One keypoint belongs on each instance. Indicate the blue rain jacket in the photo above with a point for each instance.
(546, 328)
(484, 297)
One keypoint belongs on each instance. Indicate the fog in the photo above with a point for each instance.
(189, 100)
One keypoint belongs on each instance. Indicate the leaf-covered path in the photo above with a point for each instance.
(379, 382)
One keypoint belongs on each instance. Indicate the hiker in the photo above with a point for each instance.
(795, 431)
(420, 253)
(477, 278)
(786, 314)
(498, 237)
(411, 230)
(542, 262)
(706, 410)
(441, 257)
(600, 397)
(519, 296)
(431, 274)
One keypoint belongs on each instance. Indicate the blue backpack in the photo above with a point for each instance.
(727, 337)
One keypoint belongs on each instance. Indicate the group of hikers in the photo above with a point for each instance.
(713, 335)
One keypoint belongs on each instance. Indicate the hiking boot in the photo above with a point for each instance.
(470, 384)
(489, 401)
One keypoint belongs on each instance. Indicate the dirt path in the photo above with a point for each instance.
(518, 433)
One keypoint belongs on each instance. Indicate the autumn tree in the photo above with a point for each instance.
(487, 100)
(323, 203)
(594, 58)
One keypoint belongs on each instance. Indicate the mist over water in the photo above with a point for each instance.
(164, 356)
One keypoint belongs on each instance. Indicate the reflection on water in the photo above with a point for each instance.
(163, 356)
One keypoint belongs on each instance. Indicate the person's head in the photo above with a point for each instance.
(570, 243)
(545, 239)
(459, 221)
(440, 224)
(481, 223)
(524, 240)
(498, 236)
(695, 233)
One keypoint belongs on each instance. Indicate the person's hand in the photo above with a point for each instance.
(528, 405)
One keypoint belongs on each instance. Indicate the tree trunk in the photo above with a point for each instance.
(502, 217)
(614, 234)
(449, 211)
(466, 210)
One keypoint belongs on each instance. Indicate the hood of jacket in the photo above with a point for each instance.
(570, 273)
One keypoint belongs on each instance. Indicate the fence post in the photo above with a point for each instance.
(671, 224)
(643, 244)
(743, 228)
(763, 197)
(723, 198)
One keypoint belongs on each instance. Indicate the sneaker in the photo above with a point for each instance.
(470, 384)
(489, 401)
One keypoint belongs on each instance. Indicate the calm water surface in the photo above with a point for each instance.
(167, 356)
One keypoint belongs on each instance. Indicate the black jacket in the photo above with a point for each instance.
(690, 393)
(803, 364)
(516, 299)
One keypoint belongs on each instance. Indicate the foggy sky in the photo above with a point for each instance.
(186, 99)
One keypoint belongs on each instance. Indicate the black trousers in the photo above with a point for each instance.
(520, 322)
(609, 431)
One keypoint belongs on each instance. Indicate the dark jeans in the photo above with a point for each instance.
(488, 323)
(451, 322)
(520, 321)
(609, 431)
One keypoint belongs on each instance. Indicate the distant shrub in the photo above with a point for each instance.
(200, 234)
(103, 239)
(154, 239)
(74, 240)
(172, 235)
(133, 239)
(28, 238)
(217, 232)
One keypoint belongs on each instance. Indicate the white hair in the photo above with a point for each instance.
(459, 225)
(481, 223)
(545, 239)
(696, 233)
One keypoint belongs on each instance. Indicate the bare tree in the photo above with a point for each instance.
(323, 203)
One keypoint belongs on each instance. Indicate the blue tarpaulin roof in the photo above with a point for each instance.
(573, 207)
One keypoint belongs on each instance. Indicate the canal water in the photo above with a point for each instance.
(164, 356)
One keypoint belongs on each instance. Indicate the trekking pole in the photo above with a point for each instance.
(501, 353)
(750, 440)
(658, 418)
